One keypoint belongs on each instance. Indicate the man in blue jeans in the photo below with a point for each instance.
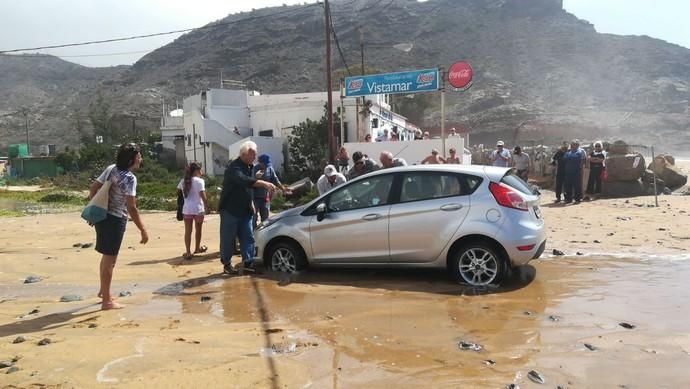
(237, 208)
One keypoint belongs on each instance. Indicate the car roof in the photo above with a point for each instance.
(494, 173)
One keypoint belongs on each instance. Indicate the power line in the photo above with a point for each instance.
(161, 33)
(76, 55)
(337, 43)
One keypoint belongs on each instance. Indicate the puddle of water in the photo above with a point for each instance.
(410, 323)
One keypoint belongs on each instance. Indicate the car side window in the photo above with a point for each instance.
(429, 185)
(371, 192)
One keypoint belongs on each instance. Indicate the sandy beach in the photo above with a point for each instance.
(187, 325)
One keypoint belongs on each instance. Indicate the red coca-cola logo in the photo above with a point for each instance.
(460, 74)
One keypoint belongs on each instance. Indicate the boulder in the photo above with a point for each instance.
(628, 167)
(667, 171)
(619, 147)
(621, 188)
(301, 187)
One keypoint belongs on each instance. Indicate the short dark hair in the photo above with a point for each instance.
(357, 156)
(126, 155)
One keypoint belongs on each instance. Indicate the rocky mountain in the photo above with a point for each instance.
(540, 73)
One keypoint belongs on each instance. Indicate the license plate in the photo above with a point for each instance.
(537, 212)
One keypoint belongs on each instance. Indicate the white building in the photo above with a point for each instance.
(216, 121)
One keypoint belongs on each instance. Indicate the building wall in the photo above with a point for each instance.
(413, 152)
(265, 145)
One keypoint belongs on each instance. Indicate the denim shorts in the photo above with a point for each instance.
(109, 234)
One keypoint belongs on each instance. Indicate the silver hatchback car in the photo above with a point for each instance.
(475, 221)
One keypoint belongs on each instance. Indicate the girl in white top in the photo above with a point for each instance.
(193, 189)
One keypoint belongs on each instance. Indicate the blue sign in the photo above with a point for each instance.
(392, 83)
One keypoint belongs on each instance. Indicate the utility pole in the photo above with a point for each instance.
(25, 112)
(331, 143)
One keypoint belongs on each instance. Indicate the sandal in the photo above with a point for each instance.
(187, 256)
(200, 250)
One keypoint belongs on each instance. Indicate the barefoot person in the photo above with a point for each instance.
(195, 205)
(122, 203)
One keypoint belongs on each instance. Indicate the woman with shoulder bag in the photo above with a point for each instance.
(122, 203)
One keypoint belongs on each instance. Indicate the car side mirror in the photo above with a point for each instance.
(320, 211)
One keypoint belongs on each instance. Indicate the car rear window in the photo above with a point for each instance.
(517, 183)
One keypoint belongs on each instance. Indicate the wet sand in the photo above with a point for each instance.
(346, 328)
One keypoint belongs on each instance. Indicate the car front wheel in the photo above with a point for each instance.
(286, 257)
(477, 264)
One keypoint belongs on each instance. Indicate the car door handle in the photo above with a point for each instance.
(372, 216)
(451, 207)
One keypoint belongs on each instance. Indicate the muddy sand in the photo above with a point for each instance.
(186, 325)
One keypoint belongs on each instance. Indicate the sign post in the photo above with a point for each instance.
(460, 78)
(443, 112)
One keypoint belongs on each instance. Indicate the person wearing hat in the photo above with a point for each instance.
(264, 171)
(500, 156)
(329, 179)
(433, 158)
(362, 165)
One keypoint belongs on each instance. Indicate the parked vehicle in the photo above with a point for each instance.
(476, 221)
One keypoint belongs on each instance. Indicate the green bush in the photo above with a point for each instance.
(63, 198)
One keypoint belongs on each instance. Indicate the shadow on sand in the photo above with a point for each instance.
(46, 322)
(409, 280)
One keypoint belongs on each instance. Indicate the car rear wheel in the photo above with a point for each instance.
(478, 264)
(286, 257)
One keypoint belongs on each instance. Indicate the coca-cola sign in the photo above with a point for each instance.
(460, 75)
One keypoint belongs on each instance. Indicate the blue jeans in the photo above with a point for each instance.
(262, 207)
(230, 227)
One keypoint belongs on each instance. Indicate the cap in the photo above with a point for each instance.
(434, 151)
(329, 170)
(499, 143)
(356, 156)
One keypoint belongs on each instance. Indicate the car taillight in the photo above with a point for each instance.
(507, 196)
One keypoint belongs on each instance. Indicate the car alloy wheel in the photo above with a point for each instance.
(283, 259)
(286, 257)
(479, 265)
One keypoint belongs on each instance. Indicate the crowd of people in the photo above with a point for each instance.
(249, 182)
(569, 162)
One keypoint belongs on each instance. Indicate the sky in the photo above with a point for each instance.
(34, 23)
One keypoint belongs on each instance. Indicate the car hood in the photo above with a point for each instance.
(290, 212)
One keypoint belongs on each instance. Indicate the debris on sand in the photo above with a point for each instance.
(44, 341)
(205, 298)
(554, 318)
(557, 252)
(33, 279)
(68, 298)
(512, 386)
(125, 293)
(627, 325)
(12, 369)
(19, 339)
(591, 347)
(86, 245)
(535, 376)
(489, 362)
(282, 348)
(4, 364)
(76, 245)
(469, 346)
